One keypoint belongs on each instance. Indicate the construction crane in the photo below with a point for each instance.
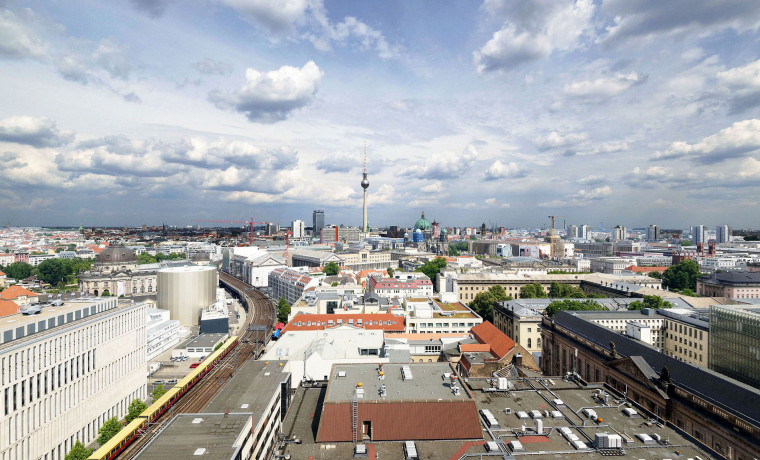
(552, 218)
(250, 222)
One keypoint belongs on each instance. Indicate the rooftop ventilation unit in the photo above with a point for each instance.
(406, 373)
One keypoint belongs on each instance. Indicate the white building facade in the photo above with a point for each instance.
(77, 366)
(162, 332)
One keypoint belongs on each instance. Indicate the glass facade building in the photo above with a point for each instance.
(735, 343)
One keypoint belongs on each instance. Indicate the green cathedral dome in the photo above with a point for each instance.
(423, 224)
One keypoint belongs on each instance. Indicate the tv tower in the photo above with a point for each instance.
(365, 185)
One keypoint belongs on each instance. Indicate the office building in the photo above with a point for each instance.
(318, 221)
(584, 232)
(297, 227)
(723, 234)
(571, 231)
(619, 233)
(699, 234)
(735, 343)
(654, 233)
(65, 371)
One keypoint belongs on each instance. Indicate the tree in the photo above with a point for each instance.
(681, 276)
(105, 293)
(432, 267)
(532, 291)
(79, 452)
(158, 391)
(650, 301)
(562, 291)
(136, 407)
(283, 310)
(484, 302)
(686, 243)
(573, 305)
(18, 270)
(109, 429)
(655, 275)
(145, 258)
(52, 271)
(453, 252)
(331, 269)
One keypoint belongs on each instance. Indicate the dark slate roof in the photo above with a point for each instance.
(735, 277)
(734, 396)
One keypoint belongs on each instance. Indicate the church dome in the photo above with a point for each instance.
(422, 223)
(116, 255)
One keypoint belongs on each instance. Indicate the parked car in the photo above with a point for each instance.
(194, 365)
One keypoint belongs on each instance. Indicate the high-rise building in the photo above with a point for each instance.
(699, 233)
(653, 233)
(272, 228)
(66, 370)
(298, 228)
(571, 231)
(583, 232)
(723, 234)
(318, 221)
(619, 233)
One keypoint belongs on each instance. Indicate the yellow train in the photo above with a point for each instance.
(118, 443)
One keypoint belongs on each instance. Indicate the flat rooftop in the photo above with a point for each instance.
(251, 388)
(525, 395)
(205, 340)
(427, 383)
(186, 434)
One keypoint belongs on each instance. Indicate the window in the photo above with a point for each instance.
(529, 343)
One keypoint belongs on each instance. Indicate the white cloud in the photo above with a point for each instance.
(582, 198)
(444, 166)
(340, 162)
(213, 67)
(34, 131)
(555, 140)
(557, 28)
(602, 88)
(499, 170)
(278, 17)
(17, 40)
(737, 140)
(648, 19)
(592, 180)
(112, 59)
(269, 97)
(435, 187)
(741, 85)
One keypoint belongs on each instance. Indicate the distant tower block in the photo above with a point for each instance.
(365, 186)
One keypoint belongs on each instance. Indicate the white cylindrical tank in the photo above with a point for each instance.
(185, 291)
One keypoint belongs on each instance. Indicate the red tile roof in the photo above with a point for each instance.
(14, 292)
(309, 322)
(8, 307)
(399, 421)
(1, 273)
(500, 344)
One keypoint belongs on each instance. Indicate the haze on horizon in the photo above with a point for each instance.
(139, 112)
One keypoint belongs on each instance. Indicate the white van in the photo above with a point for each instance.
(410, 451)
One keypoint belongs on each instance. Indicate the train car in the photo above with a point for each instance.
(120, 441)
(160, 405)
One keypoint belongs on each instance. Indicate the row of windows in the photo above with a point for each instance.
(47, 381)
(446, 324)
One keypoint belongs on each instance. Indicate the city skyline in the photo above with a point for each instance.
(139, 112)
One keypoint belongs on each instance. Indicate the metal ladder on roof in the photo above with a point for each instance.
(355, 417)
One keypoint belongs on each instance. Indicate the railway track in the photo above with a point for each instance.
(251, 343)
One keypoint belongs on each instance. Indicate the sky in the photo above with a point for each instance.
(132, 112)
